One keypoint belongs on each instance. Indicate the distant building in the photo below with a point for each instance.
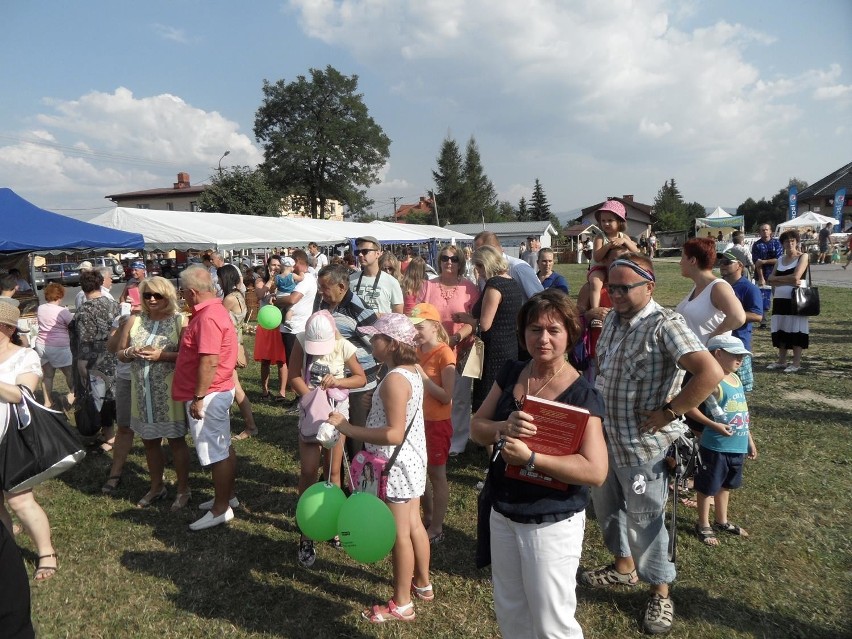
(423, 206)
(639, 216)
(181, 197)
(819, 196)
(511, 234)
(295, 207)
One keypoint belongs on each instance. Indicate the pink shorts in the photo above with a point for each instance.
(600, 268)
(438, 436)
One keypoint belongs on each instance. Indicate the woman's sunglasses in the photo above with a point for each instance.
(450, 258)
(153, 296)
(365, 251)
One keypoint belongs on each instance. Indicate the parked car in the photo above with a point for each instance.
(38, 275)
(111, 263)
(65, 273)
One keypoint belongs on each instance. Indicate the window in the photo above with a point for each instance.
(193, 206)
(143, 206)
(170, 206)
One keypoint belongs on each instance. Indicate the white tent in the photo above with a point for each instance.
(720, 220)
(811, 220)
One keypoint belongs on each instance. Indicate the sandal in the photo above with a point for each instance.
(608, 576)
(426, 593)
(43, 573)
(391, 612)
(334, 542)
(731, 529)
(111, 485)
(181, 501)
(150, 498)
(245, 434)
(689, 502)
(706, 535)
(437, 539)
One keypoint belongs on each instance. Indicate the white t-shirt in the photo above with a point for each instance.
(26, 360)
(321, 260)
(380, 296)
(302, 309)
(334, 363)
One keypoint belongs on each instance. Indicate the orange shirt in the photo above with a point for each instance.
(433, 363)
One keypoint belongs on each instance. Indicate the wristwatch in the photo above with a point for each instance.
(531, 462)
(668, 407)
(198, 398)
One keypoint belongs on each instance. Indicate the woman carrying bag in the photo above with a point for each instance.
(21, 366)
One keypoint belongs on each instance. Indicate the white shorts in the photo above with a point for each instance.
(56, 356)
(212, 433)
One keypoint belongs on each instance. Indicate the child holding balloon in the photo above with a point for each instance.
(437, 369)
(325, 357)
(397, 403)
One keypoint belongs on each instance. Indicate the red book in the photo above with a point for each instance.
(559, 431)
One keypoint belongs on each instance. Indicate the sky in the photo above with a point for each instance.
(594, 98)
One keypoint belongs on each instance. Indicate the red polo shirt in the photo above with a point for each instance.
(210, 332)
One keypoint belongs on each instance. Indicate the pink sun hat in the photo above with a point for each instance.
(393, 325)
(613, 206)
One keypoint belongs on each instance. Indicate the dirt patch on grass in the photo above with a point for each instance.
(810, 396)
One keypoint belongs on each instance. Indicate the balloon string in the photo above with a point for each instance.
(348, 471)
(333, 404)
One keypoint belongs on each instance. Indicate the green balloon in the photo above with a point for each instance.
(318, 509)
(366, 528)
(269, 317)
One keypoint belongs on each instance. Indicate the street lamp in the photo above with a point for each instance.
(226, 153)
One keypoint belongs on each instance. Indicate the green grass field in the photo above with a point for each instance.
(141, 573)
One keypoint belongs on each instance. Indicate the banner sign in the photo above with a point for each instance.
(839, 201)
(794, 203)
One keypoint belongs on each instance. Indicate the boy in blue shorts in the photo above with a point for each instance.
(725, 443)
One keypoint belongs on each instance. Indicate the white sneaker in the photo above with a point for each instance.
(233, 502)
(209, 520)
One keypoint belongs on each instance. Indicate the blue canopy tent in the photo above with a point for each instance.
(28, 228)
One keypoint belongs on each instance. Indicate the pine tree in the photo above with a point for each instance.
(523, 211)
(449, 183)
(481, 198)
(539, 208)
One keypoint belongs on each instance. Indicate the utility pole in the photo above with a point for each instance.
(435, 206)
(394, 208)
(226, 153)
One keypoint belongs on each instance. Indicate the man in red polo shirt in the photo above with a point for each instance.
(204, 380)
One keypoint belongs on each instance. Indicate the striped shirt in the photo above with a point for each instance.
(638, 370)
(348, 315)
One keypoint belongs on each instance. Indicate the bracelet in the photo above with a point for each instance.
(125, 353)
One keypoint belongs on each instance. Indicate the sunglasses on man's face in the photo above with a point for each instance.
(622, 289)
(153, 296)
(450, 258)
(365, 251)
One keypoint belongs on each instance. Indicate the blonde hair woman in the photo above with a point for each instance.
(494, 316)
(389, 264)
(149, 341)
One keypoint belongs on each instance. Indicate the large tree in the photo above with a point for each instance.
(669, 208)
(523, 211)
(319, 140)
(240, 190)
(450, 192)
(481, 200)
(772, 211)
(539, 209)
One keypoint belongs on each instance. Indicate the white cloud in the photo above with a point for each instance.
(170, 33)
(601, 78)
(111, 142)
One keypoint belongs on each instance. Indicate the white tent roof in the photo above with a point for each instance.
(719, 212)
(810, 219)
(167, 230)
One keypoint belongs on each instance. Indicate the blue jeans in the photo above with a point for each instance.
(631, 511)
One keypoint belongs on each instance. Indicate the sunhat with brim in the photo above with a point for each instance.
(288, 261)
(613, 206)
(729, 344)
(320, 333)
(86, 265)
(9, 314)
(422, 312)
(393, 325)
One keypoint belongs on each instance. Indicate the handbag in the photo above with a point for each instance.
(87, 417)
(39, 445)
(368, 472)
(242, 359)
(483, 524)
(805, 299)
(314, 409)
(475, 359)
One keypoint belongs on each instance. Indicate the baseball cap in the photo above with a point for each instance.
(139, 265)
(422, 312)
(613, 206)
(288, 261)
(367, 238)
(85, 265)
(320, 333)
(729, 255)
(393, 325)
(728, 343)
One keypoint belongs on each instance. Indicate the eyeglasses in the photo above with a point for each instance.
(388, 269)
(450, 258)
(622, 289)
(365, 251)
(726, 262)
(153, 296)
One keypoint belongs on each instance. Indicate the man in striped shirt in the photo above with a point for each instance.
(642, 353)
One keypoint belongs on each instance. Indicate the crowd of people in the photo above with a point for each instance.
(385, 347)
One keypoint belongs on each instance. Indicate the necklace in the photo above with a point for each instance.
(447, 292)
(545, 385)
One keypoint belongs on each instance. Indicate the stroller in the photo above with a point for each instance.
(683, 458)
